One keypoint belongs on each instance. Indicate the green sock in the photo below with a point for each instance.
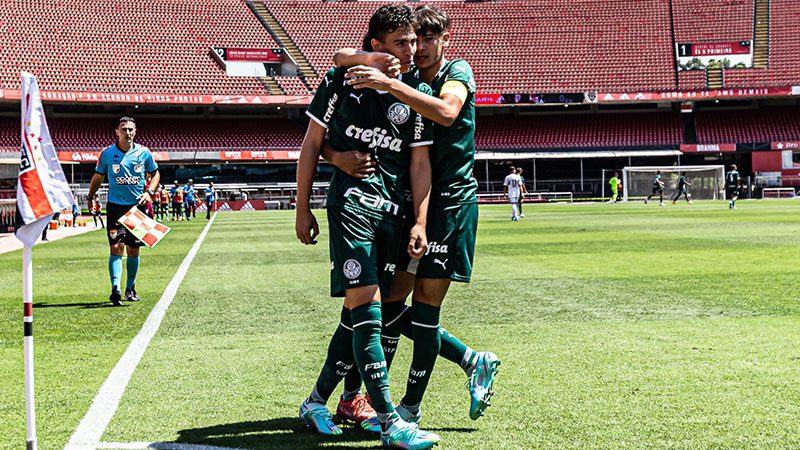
(352, 385)
(369, 357)
(456, 351)
(390, 337)
(427, 341)
(338, 362)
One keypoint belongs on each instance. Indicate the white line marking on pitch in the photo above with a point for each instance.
(93, 425)
(159, 446)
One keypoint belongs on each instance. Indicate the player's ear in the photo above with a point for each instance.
(446, 38)
(376, 45)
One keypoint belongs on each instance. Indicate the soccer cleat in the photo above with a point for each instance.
(730, 205)
(645, 201)
(115, 298)
(522, 215)
(673, 202)
(661, 204)
(131, 296)
(407, 415)
(318, 417)
(358, 410)
(480, 383)
(408, 436)
(691, 202)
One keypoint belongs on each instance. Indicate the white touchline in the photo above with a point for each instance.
(93, 425)
(159, 446)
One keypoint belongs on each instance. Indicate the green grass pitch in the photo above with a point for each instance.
(619, 327)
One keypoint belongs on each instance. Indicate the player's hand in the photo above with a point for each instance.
(418, 242)
(354, 163)
(306, 227)
(384, 62)
(144, 198)
(361, 77)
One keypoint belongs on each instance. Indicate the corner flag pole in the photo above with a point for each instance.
(27, 301)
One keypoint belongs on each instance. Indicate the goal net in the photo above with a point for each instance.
(707, 182)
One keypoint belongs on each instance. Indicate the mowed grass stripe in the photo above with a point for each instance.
(78, 335)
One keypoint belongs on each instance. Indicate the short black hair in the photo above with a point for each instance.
(388, 19)
(366, 45)
(512, 168)
(124, 119)
(430, 20)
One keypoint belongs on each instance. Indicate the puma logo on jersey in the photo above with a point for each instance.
(327, 81)
(443, 263)
(461, 68)
(357, 97)
(434, 247)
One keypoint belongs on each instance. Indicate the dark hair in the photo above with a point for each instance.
(366, 45)
(388, 19)
(512, 168)
(430, 19)
(124, 119)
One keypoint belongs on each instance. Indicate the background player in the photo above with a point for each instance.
(614, 183)
(511, 188)
(176, 194)
(683, 185)
(658, 188)
(364, 213)
(210, 196)
(734, 183)
(125, 165)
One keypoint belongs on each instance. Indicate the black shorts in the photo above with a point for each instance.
(658, 190)
(733, 191)
(117, 233)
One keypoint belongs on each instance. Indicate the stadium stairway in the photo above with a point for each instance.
(714, 78)
(282, 37)
(761, 35)
(271, 85)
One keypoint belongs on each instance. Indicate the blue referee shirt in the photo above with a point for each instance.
(125, 172)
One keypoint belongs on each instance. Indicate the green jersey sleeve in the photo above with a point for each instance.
(327, 98)
(461, 71)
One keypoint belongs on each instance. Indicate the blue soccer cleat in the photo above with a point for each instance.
(372, 424)
(480, 383)
(318, 417)
(408, 436)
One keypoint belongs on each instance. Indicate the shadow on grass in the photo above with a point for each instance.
(280, 433)
(82, 305)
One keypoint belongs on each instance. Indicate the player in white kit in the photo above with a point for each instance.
(511, 188)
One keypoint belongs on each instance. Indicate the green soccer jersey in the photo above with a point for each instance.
(453, 150)
(614, 182)
(682, 183)
(373, 122)
(656, 184)
(733, 178)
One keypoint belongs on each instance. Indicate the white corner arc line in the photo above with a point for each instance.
(160, 446)
(93, 425)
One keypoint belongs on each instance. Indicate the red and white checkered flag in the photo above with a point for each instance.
(143, 227)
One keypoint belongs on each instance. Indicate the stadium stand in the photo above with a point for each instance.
(167, 134)
(748, 126)
(293, 85)
(119, 46)
(784, 51)
(712, 20)
(554, 131)
(513, 46)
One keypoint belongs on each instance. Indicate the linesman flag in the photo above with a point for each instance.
(143, 227)
(42, 189)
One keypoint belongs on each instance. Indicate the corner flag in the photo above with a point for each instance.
(42, 190)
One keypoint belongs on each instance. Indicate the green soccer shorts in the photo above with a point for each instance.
(451, 234)
(363, 250)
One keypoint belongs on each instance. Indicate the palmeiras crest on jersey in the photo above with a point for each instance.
(351, 269)
(399, 113)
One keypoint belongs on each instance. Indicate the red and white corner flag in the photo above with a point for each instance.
(42, 190)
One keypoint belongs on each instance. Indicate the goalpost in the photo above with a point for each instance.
(707, 182)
